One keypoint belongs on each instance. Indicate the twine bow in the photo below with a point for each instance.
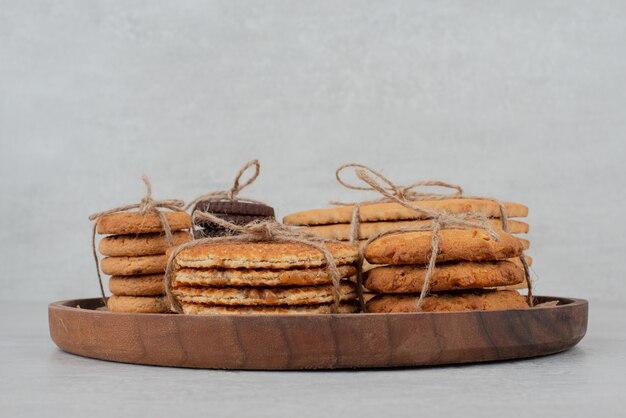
(404, 195)
(257, 231)
(232, 194)
(392, 192)
(146, 205)
(401, 192)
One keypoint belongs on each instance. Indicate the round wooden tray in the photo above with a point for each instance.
(294, 342)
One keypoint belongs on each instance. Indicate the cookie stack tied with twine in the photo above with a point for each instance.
(138, 236)
(422, 242)
(266, 268)
(228, 206)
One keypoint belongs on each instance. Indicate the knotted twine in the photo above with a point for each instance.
(146, 205)
(232, 194)
(256, 231)
(405, 195)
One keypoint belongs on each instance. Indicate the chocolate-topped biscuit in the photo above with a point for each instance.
(235, 219)
(236, 212)
(210, 229)
(235, 208)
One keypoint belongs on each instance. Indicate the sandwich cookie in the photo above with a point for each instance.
(302, 295)
(236, 212)
(246, 278)
(263, 255)
(200, 309)
(236, 207)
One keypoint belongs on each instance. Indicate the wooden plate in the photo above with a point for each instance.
(292, 342)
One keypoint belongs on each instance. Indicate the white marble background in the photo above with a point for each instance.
(521, 100)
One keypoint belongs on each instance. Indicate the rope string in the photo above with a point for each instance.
(393, 193)
(232, 194)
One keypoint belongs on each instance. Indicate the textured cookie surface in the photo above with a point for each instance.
(136, 223)
(454, 244)
(465, 301)
(148, 285)
(245, 296)
(232, 277)
(131, 266)
(271, 255)
(396, 212)
(137, 304)
(446, 276)
(235, 208)
(201, 309)
(139, 244)
(367, 230)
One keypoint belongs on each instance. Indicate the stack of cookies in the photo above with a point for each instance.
(234, 211)
(135, 250)
(395, 265)
(470, 263)
(262, 278)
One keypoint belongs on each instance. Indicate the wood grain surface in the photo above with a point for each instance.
(296, 342)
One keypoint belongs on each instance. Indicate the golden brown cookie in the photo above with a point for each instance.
(236, 212)
(148, 285)
(139, 244)
(446, 276)
(237, 278)
(396, 212)
(138, 304)
(487, 300)
(246, 296)
(137, 223)
(367, 230)
(235, 208)
(263, 255)
(201, 309)
(132, 266)
(454, 245)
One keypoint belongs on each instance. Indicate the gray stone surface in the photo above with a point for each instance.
(37, 379)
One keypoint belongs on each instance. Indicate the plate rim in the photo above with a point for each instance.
(65, 305)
